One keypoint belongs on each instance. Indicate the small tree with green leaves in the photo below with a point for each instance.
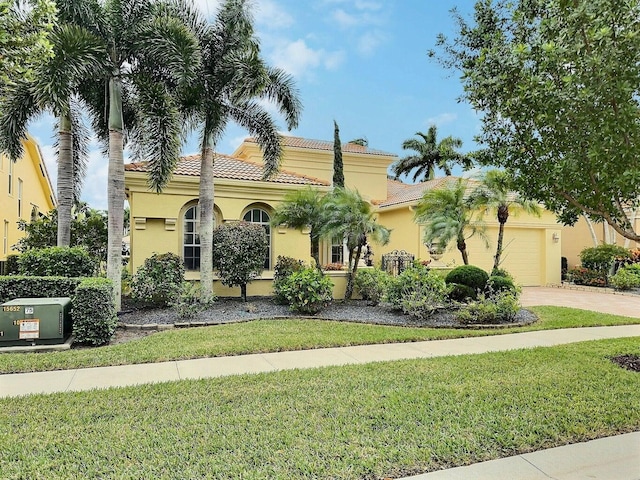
(240, 250)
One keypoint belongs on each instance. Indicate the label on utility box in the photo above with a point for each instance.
(29, 328)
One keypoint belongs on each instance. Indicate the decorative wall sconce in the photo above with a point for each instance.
(555, 237)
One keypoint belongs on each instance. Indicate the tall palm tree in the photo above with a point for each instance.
(227, 87)
(349, 216)
(495, 193)
(53, 88)
(150, 50)
(304, 209)
(448, 216)
(430, 154)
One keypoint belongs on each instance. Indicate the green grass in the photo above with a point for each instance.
(367, 421)
(275, 335)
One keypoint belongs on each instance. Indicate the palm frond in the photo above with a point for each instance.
(19, 106)
(282, 91)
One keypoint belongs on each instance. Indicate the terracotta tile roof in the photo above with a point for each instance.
(399, 193)
(299, 142)
(231, 168)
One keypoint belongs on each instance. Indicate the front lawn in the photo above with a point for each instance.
(276, 335)
(366, 421)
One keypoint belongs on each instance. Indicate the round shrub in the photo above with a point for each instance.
(56, 262)
(307, 291)
(461, 293)
(158, 282)
(501, 272)
(372, 284)
(500, 284)
(468, 275)
(285, 266)
(417, 291)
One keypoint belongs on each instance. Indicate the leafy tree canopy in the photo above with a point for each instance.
(24, 31)
(557, 83)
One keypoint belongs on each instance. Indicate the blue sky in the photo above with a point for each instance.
(361, 62)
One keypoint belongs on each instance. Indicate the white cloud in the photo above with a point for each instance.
(441, 119)
(368, 42)
(272, 15)
(298, 59)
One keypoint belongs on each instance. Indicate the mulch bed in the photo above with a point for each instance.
(629, 361)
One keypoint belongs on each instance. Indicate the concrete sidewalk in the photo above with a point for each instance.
(14, 385)
(611, 458)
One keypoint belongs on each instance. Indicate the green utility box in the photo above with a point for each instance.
(35, 321)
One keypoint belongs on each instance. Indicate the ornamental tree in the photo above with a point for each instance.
(239, 253)
(557, 84)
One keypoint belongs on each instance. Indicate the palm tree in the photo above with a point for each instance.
(430, 154)
(226, 88)
(304, 209)
(448, 215)
(495, 193)
(150, 50)
(53, 88)
(349, 216)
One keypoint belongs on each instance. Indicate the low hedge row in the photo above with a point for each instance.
(93, 309)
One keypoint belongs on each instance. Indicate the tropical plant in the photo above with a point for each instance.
(240, 252)
(158, 282)
(416, 291)
(495, 193)
(448, 216)
(149, 50)
(349, 216)
(372, 284)
(285, 266)
(338, 166)
(24, 38)
(232, 80)
(303, 209)
(430, 154)
(528, 68)
(53, 88)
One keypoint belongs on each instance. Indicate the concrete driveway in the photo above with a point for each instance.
(605, 302)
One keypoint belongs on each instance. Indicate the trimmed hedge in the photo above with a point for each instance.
(11, 266)
(57, 261)
(158, 282)
(468, 275)
(93, 311)
(13, 287)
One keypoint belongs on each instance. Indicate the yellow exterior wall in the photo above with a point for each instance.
(36, 193)
(363, 172)
(529, 266)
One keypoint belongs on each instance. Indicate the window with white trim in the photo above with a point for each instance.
(5, 238)
(19, 197)
(337, 249)
(261, 217)
(10, 177)
(191, 238)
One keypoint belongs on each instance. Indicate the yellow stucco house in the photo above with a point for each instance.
(25, 190)
(168, 222)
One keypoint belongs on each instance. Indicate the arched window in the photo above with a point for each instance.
(261, 217)
(190, 238)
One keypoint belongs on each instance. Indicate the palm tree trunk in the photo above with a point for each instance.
(496, 258)
(315, 252)
(352, 272)
(462, 247)
(205, 232)
(65, 181)
(115, 201)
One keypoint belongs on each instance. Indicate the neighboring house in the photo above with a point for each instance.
(25, 191)
(168, 222)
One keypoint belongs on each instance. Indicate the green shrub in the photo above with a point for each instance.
(239, 253)
(158, 282)
(468, 275)
(461, 293)
(57, 262)
(626, 278)
(308, 291)
(501, 272)
(285, 266)
(189, 303)
(16, 286)
(500, 284)
(499, 308)
(372, 284)
(11, 266)
(602, 258)
(417, 289)
(585, 276)
(93, 311)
